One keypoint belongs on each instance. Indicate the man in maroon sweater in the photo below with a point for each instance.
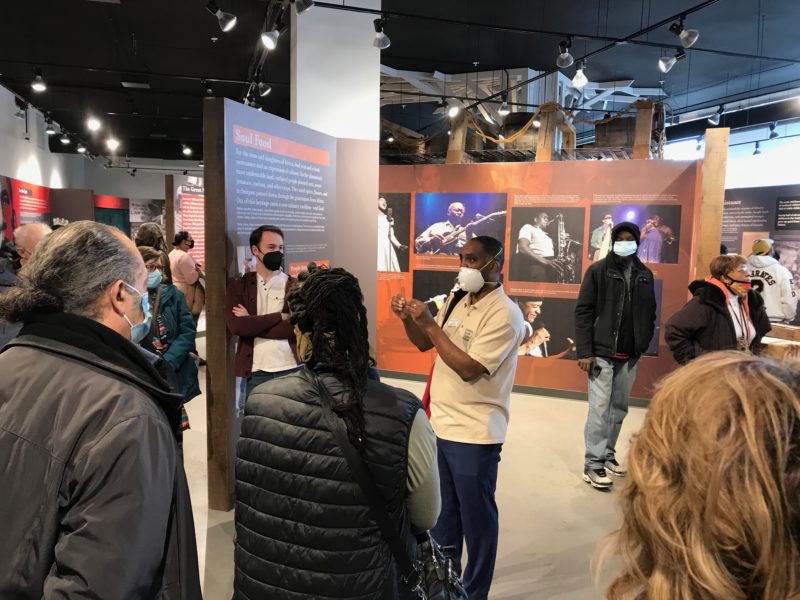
(256, 311)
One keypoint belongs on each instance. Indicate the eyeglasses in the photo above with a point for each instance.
(153, 268)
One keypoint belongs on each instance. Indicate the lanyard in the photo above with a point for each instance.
(744, 339)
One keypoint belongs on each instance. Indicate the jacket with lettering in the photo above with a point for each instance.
(774, 282)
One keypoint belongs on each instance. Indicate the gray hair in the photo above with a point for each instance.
(69, 271)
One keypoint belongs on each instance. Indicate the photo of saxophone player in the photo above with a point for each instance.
(547, 248)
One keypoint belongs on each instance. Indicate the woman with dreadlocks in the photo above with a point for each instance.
(303, 527)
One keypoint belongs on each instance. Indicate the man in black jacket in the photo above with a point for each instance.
(614, 323)
(95, 501)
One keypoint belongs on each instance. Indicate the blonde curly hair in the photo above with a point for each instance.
(711, 505)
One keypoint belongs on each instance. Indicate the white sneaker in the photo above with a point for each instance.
(613, 467)
(597, 478)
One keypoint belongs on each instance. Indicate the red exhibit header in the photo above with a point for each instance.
(111, 202)
(259, 140)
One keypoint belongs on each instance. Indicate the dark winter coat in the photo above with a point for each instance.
(598, 312)
(705, 324)
(303, 528)
(181, 333)
(8, 279)
(95, 502)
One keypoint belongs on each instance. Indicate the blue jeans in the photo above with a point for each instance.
(609, 391)
(468, 479)
(258, 377)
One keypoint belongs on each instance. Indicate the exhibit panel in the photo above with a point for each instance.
(561, 212)
(22, 203)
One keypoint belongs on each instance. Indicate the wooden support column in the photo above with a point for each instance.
(169, 207)
(546, 137)
(568, 138)
(220, 378)
(644, 129)
(458, 140)
(712, 198)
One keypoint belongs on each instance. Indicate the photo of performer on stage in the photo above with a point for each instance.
(549, 327)
(547, 244)
(393, 231)
(600, 242)
(445, 222)
(659, 225)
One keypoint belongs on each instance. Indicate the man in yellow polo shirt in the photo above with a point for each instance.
(477, 334)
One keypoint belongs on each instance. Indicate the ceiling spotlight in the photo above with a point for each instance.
(537, 123)
(564, 59)
(757, 150)
(270, 39)
(580, 80)
(453, 111)
(187, 151)
(390, 139)
(772, 133)
(714, 119)
(688, 37)
(449, 131)
(112, 144)
(263, 89)
(227, 21)
(301, 6)
(504, 111)
(665, 63)
(65, 139)
(50, 129)
(381, 40)
(81, 148)
(209, 93)
(92, 124)
(38, 84)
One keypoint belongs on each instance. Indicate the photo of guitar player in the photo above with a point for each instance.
(464, 221)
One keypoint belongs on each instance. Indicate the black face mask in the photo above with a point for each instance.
(272, 260)
(190, 244)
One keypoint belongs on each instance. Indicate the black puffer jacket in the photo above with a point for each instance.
(95, 503)
(705, 324)
(303, 528)
(599, 309)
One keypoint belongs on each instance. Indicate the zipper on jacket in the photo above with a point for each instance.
(619, 314)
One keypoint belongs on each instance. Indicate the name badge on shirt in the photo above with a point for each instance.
(452, 323)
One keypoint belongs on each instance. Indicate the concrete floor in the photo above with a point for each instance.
(550, 520)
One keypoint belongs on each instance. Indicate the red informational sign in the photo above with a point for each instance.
(114, 202)
(193, 220)
(295, 268)
(22, 203)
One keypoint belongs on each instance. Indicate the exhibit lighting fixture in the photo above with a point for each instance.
(772, 133)
(504, 111)
(564, 59)
(81, 148)
(112, 143)
(453, 111)
(227, 21)
(187, 151)
(50, 129)
(449, 131)
(390, 139)
(264, 89)
(301, 6)
(714, 119)
(20, 114)
(381, 40)
(38, 84)
(93, 124)
(665, 63)
(758, 149)
(270, 39)
(688, 37)
(65, 139)
(580, 80)
(536, 122)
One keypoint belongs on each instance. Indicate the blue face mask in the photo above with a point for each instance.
(153, 280)
(625, 248)
(139, 331)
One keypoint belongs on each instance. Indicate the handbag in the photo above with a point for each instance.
(430, 576)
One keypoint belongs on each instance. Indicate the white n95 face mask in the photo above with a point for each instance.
(470, 280)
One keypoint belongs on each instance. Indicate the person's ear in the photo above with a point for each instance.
(117, 296)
